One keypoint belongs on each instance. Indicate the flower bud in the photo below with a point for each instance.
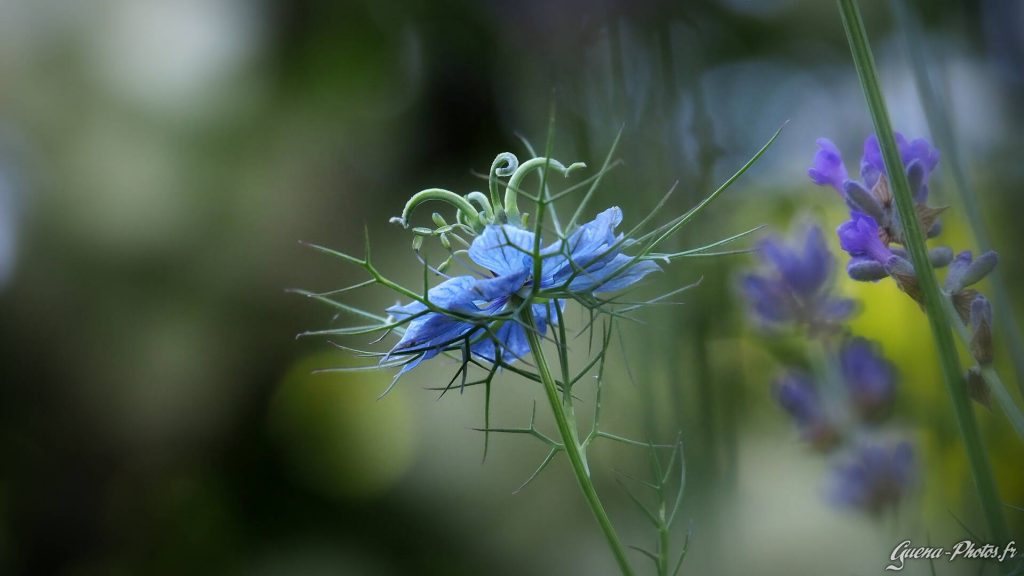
(916, 178)
(977, 388)
(962, 301)
(940, 256)
(864, 270)
(981, 323)
(980, 268)
(903, 272)
(956, 271)
(859, 199)
(439, 220)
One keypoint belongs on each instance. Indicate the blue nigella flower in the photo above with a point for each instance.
(794, 285)
(478, 314)
(798, 396)
(869, 378)
(876, 477)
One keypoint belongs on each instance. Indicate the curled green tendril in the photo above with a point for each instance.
(485, 204)
(505, 164)
(466, 211)
(511, 191)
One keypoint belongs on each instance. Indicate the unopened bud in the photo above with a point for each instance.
(903, 272)
(858, 198)
(977, 388)
(940, 256)
(981, 322)
(981, 267)
(864, 270)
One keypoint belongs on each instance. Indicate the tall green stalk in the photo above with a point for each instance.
(571, 444)
(933, 297)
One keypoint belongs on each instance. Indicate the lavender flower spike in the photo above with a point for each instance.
(869, 378)
(794, 284)
(871, 196)
(797, 395)
(875, 478)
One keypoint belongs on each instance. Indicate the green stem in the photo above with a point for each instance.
(571, 443)
(663, 543)
(933, 296)
(989, 374)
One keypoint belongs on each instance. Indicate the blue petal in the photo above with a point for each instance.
(595, 256)
(503, 249)
(588, 244)
(432, 332)
(602, 280)
(511, 337)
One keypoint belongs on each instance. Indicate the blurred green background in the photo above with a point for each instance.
(160, 160)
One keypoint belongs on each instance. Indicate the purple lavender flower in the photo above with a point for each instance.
(871, 196)
(827, 169)
(480, 313)
(869, 378)
(798, 396)
(860, 238)
(918, 151)
(794, 283)
(876, 477)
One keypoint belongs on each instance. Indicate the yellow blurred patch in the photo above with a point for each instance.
(337, 437)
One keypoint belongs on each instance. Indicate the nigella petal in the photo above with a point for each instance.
(452, 294)
(592, 243)
(623, 271)
(511, 337)
(631, 275)
(503, 249)
(499, 287)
